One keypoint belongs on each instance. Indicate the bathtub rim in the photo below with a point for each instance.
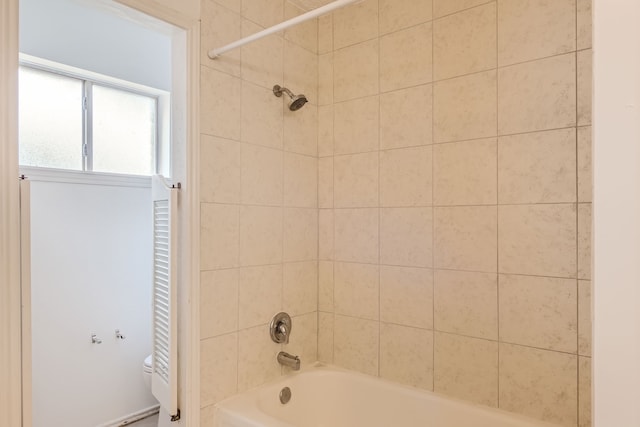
(230, 407)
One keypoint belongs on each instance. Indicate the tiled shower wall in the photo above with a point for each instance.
(455, 199)
(259, 216)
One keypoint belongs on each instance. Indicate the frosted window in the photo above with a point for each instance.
(50, 121)
(124, 128)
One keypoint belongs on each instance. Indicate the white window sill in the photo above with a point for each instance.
(87, 178)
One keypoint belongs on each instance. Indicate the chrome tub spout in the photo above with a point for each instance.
(289, 360)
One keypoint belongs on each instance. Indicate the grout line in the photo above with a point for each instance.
(378, 195)
(577, 227)
(282, 183)
(239, 207)
(461, 10)
(524, 204)
(498, 202)
(484, 138)
(333, 186)
(419, 267)
(433, 212)
(318, 194)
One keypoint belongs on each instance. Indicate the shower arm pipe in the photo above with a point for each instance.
(323, 10)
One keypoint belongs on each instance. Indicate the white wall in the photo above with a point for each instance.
(93, 35)
(91, 273)
(616, 346)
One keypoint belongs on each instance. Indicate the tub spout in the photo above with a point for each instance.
(289, 360)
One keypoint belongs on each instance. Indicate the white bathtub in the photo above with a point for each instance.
(331, 397)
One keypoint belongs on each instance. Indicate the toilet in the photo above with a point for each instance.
(147, 370)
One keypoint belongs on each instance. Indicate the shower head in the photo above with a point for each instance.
(297, 101)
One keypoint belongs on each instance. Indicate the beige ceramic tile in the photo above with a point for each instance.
(263, 12)
(399, 14)
(356, 290)
(465, 107)
(325, 131)
(262, 60)
(537, 95)
(220, 26)
(325, 34)
(218, 302)
(300, 241)
(301, 71)
(260, 235)
(538, 240)
(466, 368)
(325, 182)
(356, 343)
(325, 79)
(220, 100)
(304, 34)
(261, 116)
(356, 23)
(406, 117)
(219, 170)
(234, 5)
(325, 337)
(446, 7)
(218, 368)
(207, 416)
(584, 24)
(539, 312)
(257, 358)
(537, 167)
(261, 175)
(300, 289)
(584, 318)
(406, 58)
(406, 355)
(325, 286)
(355, 71)
(465, 43)
(356, 235)
(465, 238)
(532, 29)
(585, 77)
(355, 180)
(301, 130)
(405, 177)
(300, 181)
(304, 342)
(406, 236)
(466, 303)
(539, 383)
(260, 294)
(356, 125)
(219, 230)
(325, 234)
(584, 392)
(584, 165)
(406, 296)
(584, 241)
(465, 173)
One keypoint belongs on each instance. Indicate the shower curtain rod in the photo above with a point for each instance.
(215, 53)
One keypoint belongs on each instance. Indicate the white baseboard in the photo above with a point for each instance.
(131, 418)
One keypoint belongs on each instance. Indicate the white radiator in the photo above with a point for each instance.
(164, 380)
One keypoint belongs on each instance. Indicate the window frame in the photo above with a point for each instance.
(161, 161)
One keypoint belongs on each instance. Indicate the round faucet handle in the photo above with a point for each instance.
(280, 328)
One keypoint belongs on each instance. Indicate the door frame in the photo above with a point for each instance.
(10, 291)
(15, 400)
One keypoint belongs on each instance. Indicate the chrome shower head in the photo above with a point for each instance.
(297, 101)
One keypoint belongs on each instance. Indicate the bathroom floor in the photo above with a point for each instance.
(147, 422)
